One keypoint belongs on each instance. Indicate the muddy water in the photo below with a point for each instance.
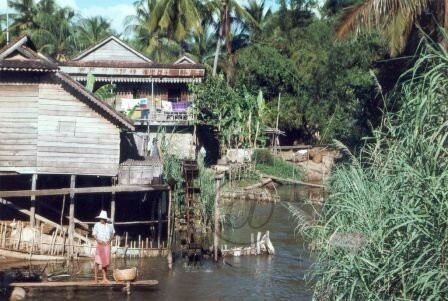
(279, 277)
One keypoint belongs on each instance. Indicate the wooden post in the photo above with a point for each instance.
(33, 201)
(112, 208)
(169, 218)
(216, 230)
(71, 225)
(159, 217)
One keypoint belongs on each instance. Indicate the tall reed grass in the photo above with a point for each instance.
(382, 234)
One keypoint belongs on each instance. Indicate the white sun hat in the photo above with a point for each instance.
(103, 215)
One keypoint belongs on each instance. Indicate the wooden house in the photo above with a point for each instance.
(49, 123)
(158, 91)
(54, 129)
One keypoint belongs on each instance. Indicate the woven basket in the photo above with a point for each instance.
(125, 275)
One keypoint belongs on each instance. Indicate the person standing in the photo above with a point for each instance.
(103, 233)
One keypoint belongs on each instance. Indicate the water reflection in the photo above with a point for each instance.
(278, 277)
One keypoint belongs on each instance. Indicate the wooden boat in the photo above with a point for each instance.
(85, 285)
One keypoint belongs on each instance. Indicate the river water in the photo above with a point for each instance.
(278, 277)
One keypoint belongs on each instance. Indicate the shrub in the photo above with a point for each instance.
(263, 156)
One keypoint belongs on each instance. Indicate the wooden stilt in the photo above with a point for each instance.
(112, 208)
(159, 218)
(169, 219)
(216, 224)
(71, 225)
(33, 201)
(112, 201)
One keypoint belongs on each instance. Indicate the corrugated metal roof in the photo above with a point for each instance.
(123, 79)
(124, 64)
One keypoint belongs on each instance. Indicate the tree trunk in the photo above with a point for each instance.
(218, 44)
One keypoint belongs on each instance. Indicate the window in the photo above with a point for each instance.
(67, 127)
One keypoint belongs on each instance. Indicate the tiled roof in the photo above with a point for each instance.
(28, 65)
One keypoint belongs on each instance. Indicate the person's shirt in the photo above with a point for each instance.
(103, 232)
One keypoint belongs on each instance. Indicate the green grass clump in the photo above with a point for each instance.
(263, 156)
(395, 198)
(276, 167)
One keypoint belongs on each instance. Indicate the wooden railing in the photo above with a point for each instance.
(166, 117)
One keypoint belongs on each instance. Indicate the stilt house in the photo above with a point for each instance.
(56, 134)
(154, 95)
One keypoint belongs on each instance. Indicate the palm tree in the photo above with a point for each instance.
(53, 31)
(92, 30)
(395, 19)
(175, 18)
(228, 11)
(202, 47)
(25, 10)
(259, 13)
(156, 45)
(138, 23)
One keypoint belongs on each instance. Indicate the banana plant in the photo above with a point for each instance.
(104, 92)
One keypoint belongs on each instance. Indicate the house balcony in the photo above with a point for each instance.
(160, 112)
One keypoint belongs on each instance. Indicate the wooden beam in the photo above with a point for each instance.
(82, 284)
(84, 190)
(132, 223)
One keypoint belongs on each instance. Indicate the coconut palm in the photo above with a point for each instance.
(157, 45)
(137, 24)
(53, 31)
(92, 30)
(393, 18)
(25, 10)
(259, 13)
(175, 18)
(229, 11)
(202, 47)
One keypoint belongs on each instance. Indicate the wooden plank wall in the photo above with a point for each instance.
(113, 51)
(72, 137)
(18, 127)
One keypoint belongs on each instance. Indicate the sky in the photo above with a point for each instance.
(113, 10)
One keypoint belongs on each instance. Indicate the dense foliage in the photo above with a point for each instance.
(291, 51)
(382, 234)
